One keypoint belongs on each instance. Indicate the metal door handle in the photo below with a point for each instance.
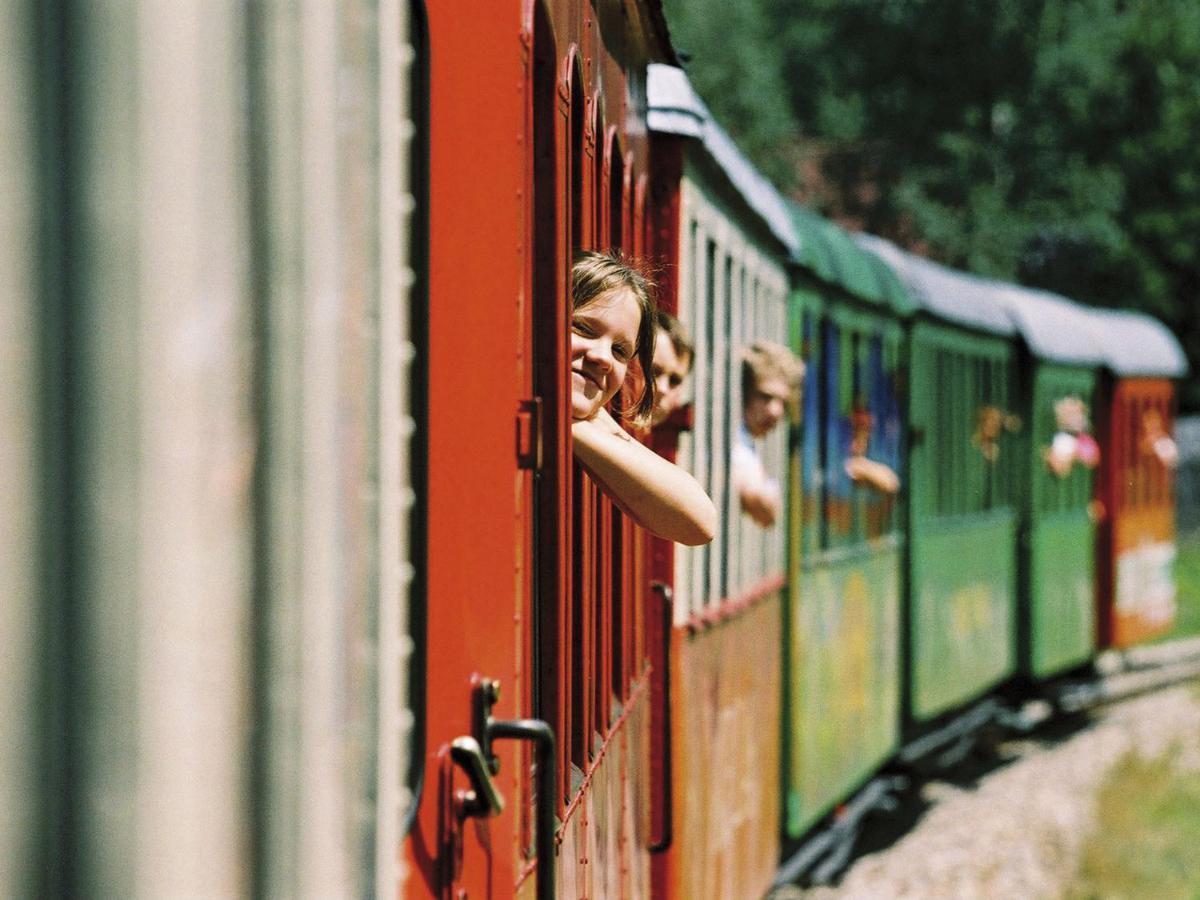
(483, 799)
(480, 763)
(542, 736)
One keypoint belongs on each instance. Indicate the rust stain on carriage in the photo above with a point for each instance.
(727, 727)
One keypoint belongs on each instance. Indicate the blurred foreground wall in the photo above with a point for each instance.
(203, 435)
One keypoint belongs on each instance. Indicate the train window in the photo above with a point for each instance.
(1162, 473)
(990, 399)
(722, 423)
(692, 314)
(1072, 491)
(1140, 466)
(937, 461)
(1150, 470)
(600, 646)
(960, 436)
(637, 216)
(963, 479)
(614, 165)
(813, 480)
(1158, 472)
(708, 404)
(1142, 469)
(975, 465)
(1134, 454)
(1043, 433)
(728, 299)
(599, 143)
(617, 627)
(880, 392)
(578, 652)
(563, 592)
(582, 630)
(835, 437)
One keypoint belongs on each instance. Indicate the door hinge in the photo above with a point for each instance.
(529, 434)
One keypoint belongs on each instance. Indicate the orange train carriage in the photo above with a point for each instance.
(1135, 536)
(716, 739)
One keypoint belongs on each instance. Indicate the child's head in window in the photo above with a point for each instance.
(612, 328)
(673, 355)
(861, 423)
(771, 378)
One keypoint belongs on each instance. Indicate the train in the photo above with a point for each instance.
(305, 594)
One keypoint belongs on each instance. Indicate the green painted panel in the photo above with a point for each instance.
(843, 709)
(1063, 609)
(935, 334)
(963, 608)
(1059, 594)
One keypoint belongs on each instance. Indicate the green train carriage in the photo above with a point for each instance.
(842, 621)
(962, 515)
(1058, 379)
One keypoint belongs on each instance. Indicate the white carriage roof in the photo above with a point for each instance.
(943, 292)
(1054, 327)
(1134, 343)
(675, 108)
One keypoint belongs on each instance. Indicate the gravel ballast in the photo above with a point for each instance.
(1017, 831)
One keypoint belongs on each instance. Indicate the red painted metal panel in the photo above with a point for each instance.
(474, 515)
(502, 242)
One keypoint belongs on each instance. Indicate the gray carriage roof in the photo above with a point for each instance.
(675, 108)
(1134, 343)
(942, 292)
(1054, 327)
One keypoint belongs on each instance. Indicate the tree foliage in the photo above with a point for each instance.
(1052, 142)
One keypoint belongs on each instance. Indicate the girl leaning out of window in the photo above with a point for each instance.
(612, 327)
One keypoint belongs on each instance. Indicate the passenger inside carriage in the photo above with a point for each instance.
(673, 354)
(771, 379)
(878, 476)
(613, 326)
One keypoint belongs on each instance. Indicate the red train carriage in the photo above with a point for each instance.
(537, 148)
(1135, 586)
(716, 635)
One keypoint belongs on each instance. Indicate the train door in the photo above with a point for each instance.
(497, 336)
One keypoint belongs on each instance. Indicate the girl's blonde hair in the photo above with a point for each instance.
(594, 275)
(764, 360)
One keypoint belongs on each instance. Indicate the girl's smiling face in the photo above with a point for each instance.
(604, 337)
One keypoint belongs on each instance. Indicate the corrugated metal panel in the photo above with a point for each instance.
(834, 256)
(1136, 344)
(674, 108)
(1054, 327)
(942, 292)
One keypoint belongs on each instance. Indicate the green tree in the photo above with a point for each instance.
(737, 68)
(1045, 141)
